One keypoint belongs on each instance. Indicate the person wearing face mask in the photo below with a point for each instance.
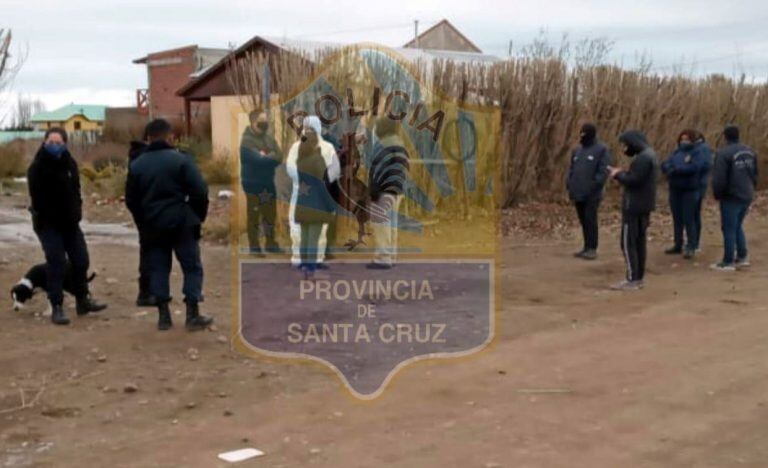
(315, 207)
(586, 178)
(310, 125)
(638, 201)
(260, 156)
(57, 209)
(683, 170)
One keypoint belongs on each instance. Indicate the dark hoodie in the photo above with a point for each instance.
(640, 180)
(54, 188)
(734, 175)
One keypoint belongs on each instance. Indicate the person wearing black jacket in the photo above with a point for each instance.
(734, 178)
(57, 209)
(638, 201)
(586, 178)
(145, 298)
(168, 199)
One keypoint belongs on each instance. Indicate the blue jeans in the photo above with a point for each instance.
(683, 204)
(732, 214)
(184, 243)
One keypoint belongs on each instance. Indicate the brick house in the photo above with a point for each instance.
(169, 70)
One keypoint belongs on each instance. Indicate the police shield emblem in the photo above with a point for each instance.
(367, 232)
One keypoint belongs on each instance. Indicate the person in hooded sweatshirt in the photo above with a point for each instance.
(638, 201)
(260, 156)
(734, 178)
(333, 174)
(168, 198)
(145, 297)
(683, 170)
(57, 209)
(586, 179)
(315, 207)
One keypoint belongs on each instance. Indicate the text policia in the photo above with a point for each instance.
(330, 109)
(367, 291)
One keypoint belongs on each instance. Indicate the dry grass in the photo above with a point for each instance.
(13, 162)
(545, 97)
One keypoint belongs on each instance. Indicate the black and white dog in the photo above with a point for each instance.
(37, 279)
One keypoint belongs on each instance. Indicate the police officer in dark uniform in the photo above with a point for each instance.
(734, 179)
(168, 198)
(586, 179)
(57, 209)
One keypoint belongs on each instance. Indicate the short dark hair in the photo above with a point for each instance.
(731, 133)
(58, 130)
(158, 129)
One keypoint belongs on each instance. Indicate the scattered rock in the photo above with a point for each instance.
(191, 405)
(228, 413)
(131, 388)
(102, 358)
(315, 451)
(111, 281)
(222, 339)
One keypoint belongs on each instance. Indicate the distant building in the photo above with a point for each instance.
(443, 36)
(73, 118)
(167, 71)
(212, 86)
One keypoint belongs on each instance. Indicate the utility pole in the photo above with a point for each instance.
(416, 33)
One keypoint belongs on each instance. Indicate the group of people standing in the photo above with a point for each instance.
(733, 171)
(314, 191)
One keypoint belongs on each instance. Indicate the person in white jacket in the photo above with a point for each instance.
(311, 124)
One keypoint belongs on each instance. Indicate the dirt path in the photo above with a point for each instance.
(579, 376)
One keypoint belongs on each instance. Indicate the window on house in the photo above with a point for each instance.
(77, 125)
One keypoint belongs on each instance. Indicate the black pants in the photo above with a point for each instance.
(697, 216)
(587, 211)
(184, 242)
(144, 270)
(60, 245)
(634, 229)
(261, 218)
(684, 205)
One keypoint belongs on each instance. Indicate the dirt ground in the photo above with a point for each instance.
(578, 376)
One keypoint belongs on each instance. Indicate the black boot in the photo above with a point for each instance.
(164, 321)
(58, 316)
(86, 305)
(145, 298)
(195, 321)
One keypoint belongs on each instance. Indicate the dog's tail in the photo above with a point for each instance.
(90, 278)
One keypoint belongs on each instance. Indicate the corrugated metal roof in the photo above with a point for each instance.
(89, 111)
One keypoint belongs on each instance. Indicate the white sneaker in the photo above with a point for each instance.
(743, 262)
(628, 286)
(722, 266)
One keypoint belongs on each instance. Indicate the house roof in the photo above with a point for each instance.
(145, 59)
(443, 24)
(311, 50)
(89, 111)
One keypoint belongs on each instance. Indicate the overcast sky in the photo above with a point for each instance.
(81, 51)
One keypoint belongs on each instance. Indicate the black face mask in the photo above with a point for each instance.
(588, 135)
(263, 126)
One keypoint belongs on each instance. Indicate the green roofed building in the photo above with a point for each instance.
(72, 117)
